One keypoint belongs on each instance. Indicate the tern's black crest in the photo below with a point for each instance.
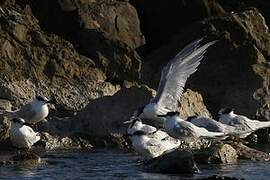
(225, 111)
(174, 113)
(191, 117)
(41, 98)
(139, 133)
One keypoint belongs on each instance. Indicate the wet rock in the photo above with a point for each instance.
(243, 38)
(176, 162)
(49, 142)
(217, 154)
(248, 153)
(27, 158)
(45, 64)
(4, 121)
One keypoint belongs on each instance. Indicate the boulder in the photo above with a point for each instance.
(26, 158)
(106, 115)
(34, 62)
(105, 31)
(175, 162)
(247, 153)
(244, 38)
(4, 122)
(218, 153)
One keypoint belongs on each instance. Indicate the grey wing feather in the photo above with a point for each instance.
(239, 121)
(209, 124)
(184, 129)
(26, 112)
(181, 68)
(187, 50)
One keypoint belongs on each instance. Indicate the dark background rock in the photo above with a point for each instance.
(176, 162)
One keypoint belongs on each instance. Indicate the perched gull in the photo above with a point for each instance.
(227, 116)
(151, 147)
(22, 136)
(33, 112)
(184, 130)
(215, 126)
(135, 124)
(173, 78)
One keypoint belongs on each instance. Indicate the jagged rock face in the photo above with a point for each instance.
(106, 115)
(106, 31)
(33, 62)
(233, 71)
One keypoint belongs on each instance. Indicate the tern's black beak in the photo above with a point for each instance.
(50, 102)
(162, 115)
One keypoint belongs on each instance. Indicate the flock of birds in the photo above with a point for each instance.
(146, 139)
(151, 142)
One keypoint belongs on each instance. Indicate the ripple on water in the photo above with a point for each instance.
(108, 164)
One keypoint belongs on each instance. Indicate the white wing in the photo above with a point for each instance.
(177, 72)
(187, 50)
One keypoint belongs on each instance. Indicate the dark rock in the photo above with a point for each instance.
(160, 20)
(217, 154)
(106, 31)
(176, 162)
(26, 158)
(248, 153)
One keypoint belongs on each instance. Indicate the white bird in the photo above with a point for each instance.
(173, 78)
(22, 136)
(33, 112)
(151, 147)
(186, 131)
(227, 116)
(135, 124)
(216, 126)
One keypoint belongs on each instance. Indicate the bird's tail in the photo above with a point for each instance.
(262, 124)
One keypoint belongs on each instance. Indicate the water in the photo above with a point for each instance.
(108, 164)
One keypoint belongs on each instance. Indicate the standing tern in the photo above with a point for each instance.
(173, 78)
(151, 147)
(186, 131)
(33, 112)
(216, 126)
(22, 136)
(227, 116)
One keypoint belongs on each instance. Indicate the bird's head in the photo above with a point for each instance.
(170, 114)
(224, 111)
(191, 117)
(18, 121)
(43, 100)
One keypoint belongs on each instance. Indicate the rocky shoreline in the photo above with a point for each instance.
(100, 60)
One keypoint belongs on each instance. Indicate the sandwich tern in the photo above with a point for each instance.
(216, 126)
(186, 131)
(22, 136)
(151, 147)
(227, 116)
(173, 78)
(135, 124)
(33, 112)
